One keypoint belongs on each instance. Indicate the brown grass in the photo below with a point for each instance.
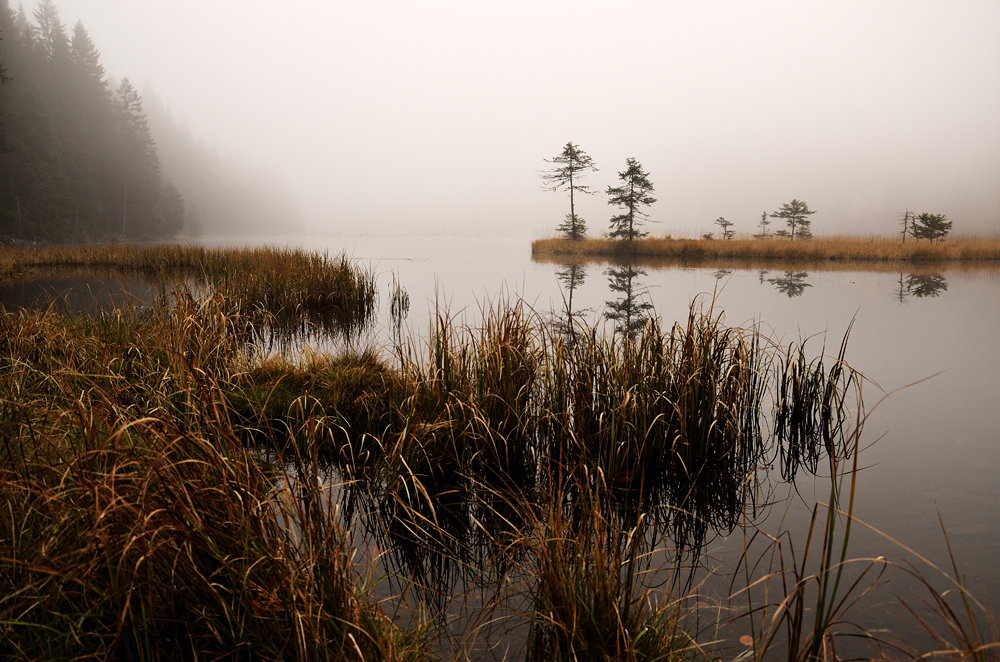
(980, 249)
(136, 524)
(284, 288)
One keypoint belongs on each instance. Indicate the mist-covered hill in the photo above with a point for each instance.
(223, 196)
(85, 157)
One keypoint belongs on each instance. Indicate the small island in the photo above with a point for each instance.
(873, 249)
(928, 233)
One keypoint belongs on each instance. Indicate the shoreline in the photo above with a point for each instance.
(849, 251)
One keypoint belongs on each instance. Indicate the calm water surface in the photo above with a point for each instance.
(934, 444)
(75, 291)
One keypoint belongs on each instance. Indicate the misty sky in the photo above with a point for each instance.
(426, 117)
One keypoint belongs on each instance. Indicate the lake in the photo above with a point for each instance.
(931, 444)
(927, 337)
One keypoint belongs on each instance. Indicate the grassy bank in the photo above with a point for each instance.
(167, 491)
(280, 288)
(865, 250)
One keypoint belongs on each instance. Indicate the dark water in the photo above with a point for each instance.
(926, 339)
(76, 291)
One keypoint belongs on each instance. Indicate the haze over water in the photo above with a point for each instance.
(403, 118)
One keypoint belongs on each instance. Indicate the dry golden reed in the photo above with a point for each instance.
(967, 248)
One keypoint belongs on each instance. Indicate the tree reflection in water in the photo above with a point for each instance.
(929, 285)
(571, 276)
(722, 273)
(792, 283)
(628, 312)
(920, 286)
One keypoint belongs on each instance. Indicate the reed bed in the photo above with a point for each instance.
(287, 290)
(588, 595)
(166, 488)
(970, 248)
(137, 525)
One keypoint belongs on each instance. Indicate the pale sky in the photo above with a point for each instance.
(427, 117)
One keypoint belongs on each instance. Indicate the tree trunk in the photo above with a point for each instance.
(631, 213)
(125, 194)
(572, 209)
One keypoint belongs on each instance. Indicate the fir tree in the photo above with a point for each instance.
(569, 167)
(140, 164)
(172, 213)
(931, 227)
(631, 196)
(725, 225)
(796, 216)
(764, 222)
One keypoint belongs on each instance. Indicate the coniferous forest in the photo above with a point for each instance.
(84, 157)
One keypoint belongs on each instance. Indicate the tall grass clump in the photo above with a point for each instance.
(663, 412)
(492, 424)
(137, 525)
(589, 598)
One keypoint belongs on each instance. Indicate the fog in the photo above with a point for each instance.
(435, 117)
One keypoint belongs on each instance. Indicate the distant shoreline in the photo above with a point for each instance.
(984, 250)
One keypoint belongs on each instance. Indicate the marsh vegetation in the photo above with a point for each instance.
(509, 488)
(863, 250)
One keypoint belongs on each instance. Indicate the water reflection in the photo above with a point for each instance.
(722, 273)
(628, 312)
(399, 308)
(570, 276)
(791, 284)
(78, 292)
(921, 286)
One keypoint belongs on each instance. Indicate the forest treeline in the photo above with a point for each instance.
(86, 158)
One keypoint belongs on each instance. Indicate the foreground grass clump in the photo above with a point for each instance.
(859, 249)
(153, 543)
(589, 598)
(137, 525)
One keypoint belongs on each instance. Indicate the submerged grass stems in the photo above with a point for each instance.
(960, 621)
(814, 600)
